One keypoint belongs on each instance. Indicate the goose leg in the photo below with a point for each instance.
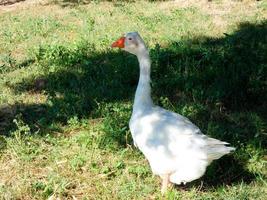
(165, 183)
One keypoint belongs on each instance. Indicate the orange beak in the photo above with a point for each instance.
(119, 43)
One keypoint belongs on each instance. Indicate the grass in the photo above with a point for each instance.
(66, 96)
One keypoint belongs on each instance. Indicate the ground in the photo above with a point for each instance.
(66, 96)
(8, 2)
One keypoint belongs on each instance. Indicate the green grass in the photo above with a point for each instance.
(66, 96)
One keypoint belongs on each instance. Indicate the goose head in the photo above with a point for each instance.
(132, 43)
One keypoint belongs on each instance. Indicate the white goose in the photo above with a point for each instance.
(175, 148)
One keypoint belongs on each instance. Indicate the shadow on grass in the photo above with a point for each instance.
(74, 3)
(225, 77)
(9, 2)
(75, 82)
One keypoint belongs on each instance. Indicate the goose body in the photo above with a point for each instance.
(173, 145)
(175, 148)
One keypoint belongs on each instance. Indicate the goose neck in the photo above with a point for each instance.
(143, 99)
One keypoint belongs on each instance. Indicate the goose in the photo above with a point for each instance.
(175, 148)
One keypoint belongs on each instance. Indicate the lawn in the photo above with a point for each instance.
(66, 96)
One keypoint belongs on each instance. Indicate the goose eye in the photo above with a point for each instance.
(130, 38)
